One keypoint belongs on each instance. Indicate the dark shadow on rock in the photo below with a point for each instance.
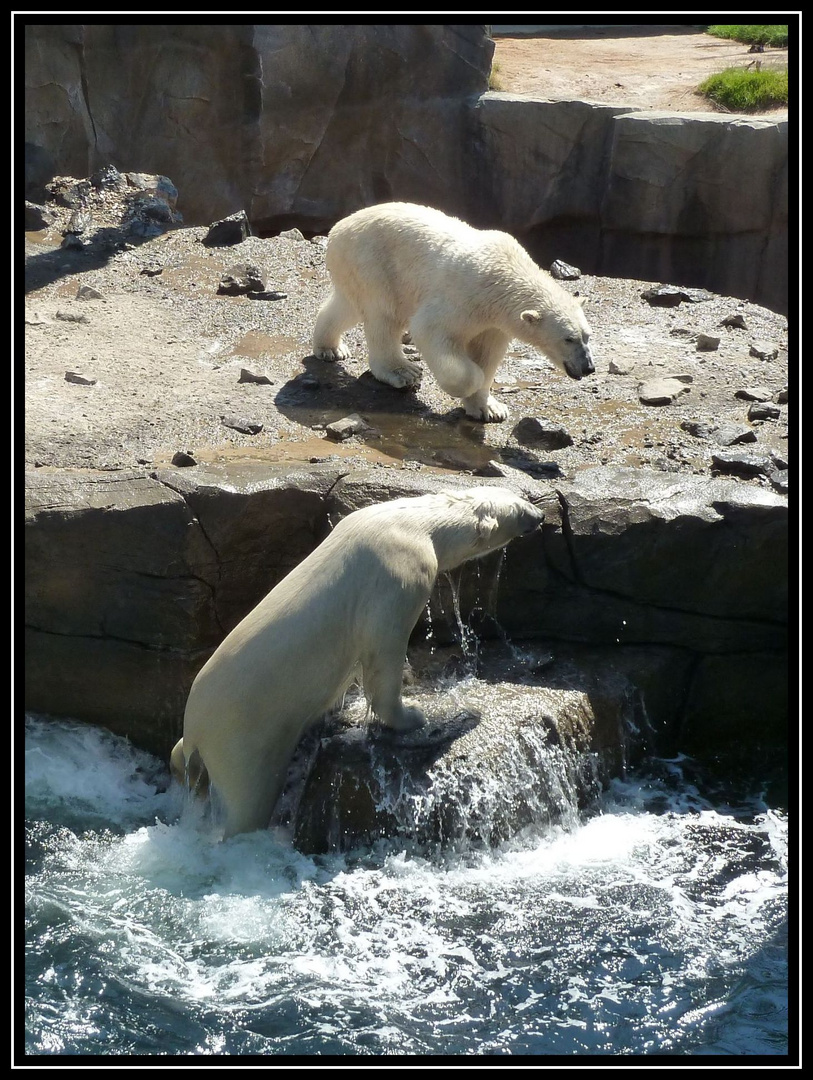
(402, 426)
(45, 267)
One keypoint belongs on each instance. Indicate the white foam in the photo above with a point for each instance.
(250, 922)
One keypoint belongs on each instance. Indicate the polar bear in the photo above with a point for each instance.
(462, 293)
(347, 610)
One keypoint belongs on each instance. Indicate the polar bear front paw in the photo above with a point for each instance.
(325, 352)
(492, 412)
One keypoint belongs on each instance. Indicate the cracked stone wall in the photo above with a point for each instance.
(133, 579)
(291, 123)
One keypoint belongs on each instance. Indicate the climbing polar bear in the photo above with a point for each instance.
(347, 610)
(462, 293)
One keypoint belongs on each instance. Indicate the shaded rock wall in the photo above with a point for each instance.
(302, 122)
(132, 581)
(690, 199)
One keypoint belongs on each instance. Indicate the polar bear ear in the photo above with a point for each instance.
(487, 525)
(531, 316)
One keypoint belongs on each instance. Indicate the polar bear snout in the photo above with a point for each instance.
(581, 364)
(532, 519)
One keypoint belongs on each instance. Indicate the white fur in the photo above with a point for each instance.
(348, 608)
(462, 293)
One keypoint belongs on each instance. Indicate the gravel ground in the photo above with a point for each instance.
(166, 353)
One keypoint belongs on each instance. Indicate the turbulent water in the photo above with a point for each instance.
(655, 925)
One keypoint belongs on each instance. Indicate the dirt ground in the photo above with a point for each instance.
(623, 66)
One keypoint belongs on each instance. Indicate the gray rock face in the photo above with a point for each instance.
(696, 198)
(132, 579)
(297, 121)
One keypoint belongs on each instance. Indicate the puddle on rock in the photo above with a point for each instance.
(254, 345)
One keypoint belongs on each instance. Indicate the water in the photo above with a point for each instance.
(655, 925)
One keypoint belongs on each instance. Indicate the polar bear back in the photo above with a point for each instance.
(410, 253)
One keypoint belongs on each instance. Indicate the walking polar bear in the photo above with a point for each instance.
(462, 293)
(347, 610)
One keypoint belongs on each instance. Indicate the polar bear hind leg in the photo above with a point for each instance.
(487, 350)
(335, 316)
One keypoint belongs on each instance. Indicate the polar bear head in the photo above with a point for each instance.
(561, 332)
(472, 522)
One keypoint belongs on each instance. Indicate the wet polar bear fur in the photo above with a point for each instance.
(462, 293)
(347, 610)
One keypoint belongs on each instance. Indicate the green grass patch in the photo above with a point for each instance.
(745, 89)
(759, 34)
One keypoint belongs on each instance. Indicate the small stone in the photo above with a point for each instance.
(707, 343)
(764, 350)
(82, 380)
(108, 177)
(247, 376)
(734, 322)
(87, 292)
(307, 381)
(72, 242)
(699, 428)
(743, 463)
(534, 431)
(291, 234)
(734, 434)
(347, 427)
(229, 230)
(71, 316)
(564, 271)
(238, 423)
(661, 391)
(779, 479)
(182, 459)
(753, 393)
(80, 222)
(244, 278)
(681, 332)
(620, 367)
(671, 296)
(152, 271)
(763, 411)
(665, 296)
(782, 396)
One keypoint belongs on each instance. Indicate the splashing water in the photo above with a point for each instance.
(657, 925)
